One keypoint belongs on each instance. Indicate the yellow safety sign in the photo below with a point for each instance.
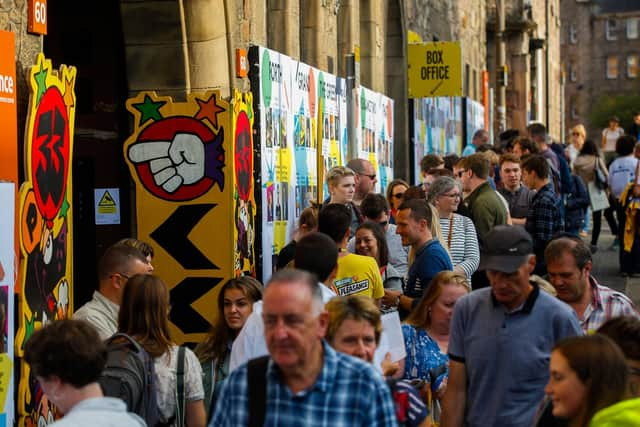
(434, 69)
(107, 205)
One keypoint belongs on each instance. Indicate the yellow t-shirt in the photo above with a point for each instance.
(358, 275)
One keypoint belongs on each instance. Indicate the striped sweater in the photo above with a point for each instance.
(462, 244)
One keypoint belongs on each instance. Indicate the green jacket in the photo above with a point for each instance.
(621, 414)
(485, 208)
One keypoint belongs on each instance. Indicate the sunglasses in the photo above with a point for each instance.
(398, 195)
(371, 177)
(575, 133)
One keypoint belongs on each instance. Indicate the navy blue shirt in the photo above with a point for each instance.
(430, 260)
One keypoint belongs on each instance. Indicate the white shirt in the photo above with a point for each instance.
(100, 412)
(101, 313)
(250, 342)
(611, 136)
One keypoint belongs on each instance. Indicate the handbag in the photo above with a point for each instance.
(599, 178)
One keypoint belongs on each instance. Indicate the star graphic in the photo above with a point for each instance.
(68, 92)
(149, 109)
(41, 82)
(209, 110)
(29, 328)
(64, 207)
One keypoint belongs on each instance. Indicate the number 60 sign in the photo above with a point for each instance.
(37, 23)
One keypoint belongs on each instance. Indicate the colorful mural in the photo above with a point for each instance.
(244, 204)
(45, 221)
(179, 160)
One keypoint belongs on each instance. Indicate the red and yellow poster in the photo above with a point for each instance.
(244, 204)
(180, 156)
(45, 223)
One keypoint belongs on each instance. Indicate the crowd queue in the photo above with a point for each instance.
(484, 262)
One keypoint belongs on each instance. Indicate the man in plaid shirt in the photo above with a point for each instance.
(544, 218)
(569, 265)
(307, 382)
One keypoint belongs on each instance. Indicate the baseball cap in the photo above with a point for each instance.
(505, 248)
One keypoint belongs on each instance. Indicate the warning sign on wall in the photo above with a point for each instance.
(434, 69)
(107, 205)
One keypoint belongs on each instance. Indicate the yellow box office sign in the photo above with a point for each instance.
(434, 69)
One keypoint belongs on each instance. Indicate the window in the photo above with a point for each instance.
(612, 67)
(573, 33)
(632, 66)
(632, 28)
(574, 110)
(573, 72)
(610, 29)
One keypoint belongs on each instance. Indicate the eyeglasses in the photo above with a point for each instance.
(371, 177)
(398, 195)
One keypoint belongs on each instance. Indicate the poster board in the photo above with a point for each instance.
(437, 128)
(179, 157)
(45, 221)
(474, 113)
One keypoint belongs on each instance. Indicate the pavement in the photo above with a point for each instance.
(606, 268)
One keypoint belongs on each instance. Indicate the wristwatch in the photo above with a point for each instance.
(397, 302)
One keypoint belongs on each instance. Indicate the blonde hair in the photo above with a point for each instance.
(337, 172)
(420, 316)
(355, 307)
(579, 129)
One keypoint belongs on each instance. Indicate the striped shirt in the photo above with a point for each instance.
(347, 392)
(605, 304)
(463, 245)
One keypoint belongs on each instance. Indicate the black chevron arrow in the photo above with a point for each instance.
(172, 234)
(182, 296)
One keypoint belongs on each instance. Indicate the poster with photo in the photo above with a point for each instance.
(474, 118)
(437, 128)
(276, 168)
(367, 104)
(305, 139)
(384, 142)
(332, 124)
(7, 286)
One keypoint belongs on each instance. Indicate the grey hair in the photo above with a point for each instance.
(440, 186)
(308, 280)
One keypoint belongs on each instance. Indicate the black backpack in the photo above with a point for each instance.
(129, 374)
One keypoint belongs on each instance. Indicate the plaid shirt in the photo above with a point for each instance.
(348, 392)
(543, 219)
(605, 304)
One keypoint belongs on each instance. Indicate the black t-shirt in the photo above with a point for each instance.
(286, 255)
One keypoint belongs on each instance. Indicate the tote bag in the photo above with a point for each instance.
(597, 197)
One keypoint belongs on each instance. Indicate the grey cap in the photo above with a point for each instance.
(505, 248)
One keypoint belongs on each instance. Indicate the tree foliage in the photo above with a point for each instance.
(622, 106)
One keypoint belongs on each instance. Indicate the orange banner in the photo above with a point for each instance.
(8, 111)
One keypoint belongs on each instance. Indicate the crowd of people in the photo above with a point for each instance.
(483, 264)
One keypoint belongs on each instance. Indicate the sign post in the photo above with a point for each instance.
(434, 69)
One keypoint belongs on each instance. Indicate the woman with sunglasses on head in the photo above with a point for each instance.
(458, 232)
(395, 196)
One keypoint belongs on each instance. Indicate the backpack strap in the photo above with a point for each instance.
(180, 404)
(257, 378)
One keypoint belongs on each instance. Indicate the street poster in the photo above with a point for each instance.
(45, 221)
(179, 157)
(7, 287)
